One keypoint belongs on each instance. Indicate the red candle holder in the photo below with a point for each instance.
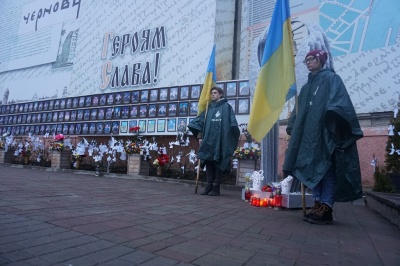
(257, 202)
(247, 195)
(278, 201)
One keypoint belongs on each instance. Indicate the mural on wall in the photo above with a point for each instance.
(94, 47)
(364, 46)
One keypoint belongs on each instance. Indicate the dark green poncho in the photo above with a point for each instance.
(324, 133)
(220, 133)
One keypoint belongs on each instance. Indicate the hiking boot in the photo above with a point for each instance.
(316, 206)
(323, 215)
(214, 191)
(208, 189)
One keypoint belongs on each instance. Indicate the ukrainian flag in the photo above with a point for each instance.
(276, 81)
(209, 82)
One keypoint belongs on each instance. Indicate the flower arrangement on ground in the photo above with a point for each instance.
(3, 140)
(161, 160)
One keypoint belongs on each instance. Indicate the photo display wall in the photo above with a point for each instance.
(155, 111)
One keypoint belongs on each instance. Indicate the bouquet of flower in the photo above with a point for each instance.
(77, 157)
(247, 153)
(134, 129)
(59, 138)
(57, 146)
(161, 160)
(132, 147)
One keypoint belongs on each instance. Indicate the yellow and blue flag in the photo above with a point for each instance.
(209, 82)
(276, 82)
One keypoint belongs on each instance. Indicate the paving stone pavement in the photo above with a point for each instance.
(66, 218)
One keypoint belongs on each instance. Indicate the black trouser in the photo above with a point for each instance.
(214, 175)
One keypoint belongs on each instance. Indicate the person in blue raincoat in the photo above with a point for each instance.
(322, 151)
(218, 133)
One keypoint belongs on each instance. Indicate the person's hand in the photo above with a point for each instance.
(200, 141)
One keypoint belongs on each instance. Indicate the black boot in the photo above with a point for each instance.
(207, 190)
(321, 216)
(214, 191)
(316, 206)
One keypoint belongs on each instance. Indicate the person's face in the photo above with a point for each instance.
(313, 64)
(215, 95)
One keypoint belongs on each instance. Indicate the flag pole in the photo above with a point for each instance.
(198, 164)
(303, 193)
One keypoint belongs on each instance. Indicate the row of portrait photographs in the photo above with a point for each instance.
(178, 93)
(235, 88)
(155, 125)
(240, 106)
(101, 128)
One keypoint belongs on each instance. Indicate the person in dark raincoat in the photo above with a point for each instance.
(218, 133)
(322, 151)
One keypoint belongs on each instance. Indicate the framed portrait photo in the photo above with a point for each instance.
(142, 125)
(117, 112)
(68, 103)
(75, 102)
(152, 110)
(134, 110)
(125, 112)
(171, 124)
(184, 93)
(123, 129)
(85, 128)
(56, 105)
(115, 127)
(95, 100)
(73, 115)
(161, 125)
(162, 109)
(135, 97)
(61, 116)
(172, 109)
(107, 127)
(79, 115)
(243, 106)
(40, 107)
(118, 98)
(173, 93)
(194, 107)
(110, 98)
(231, 89)
(102, 99)
(153, 95)
(101, 114)
(232, 102)
(92, 128)
(86, 114)
(182, 124)
(63, 103)
(88, 101)
(244, 88)
(151, 125)
(82, 101)
(163, 94)
(126, 97)
(144, 96)
(195, 91)
(99, 128)
(67, 116)
(143, 111)
(183, 108)
(71, 129)
(65, 129)
(93, 114)
(109, 113)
